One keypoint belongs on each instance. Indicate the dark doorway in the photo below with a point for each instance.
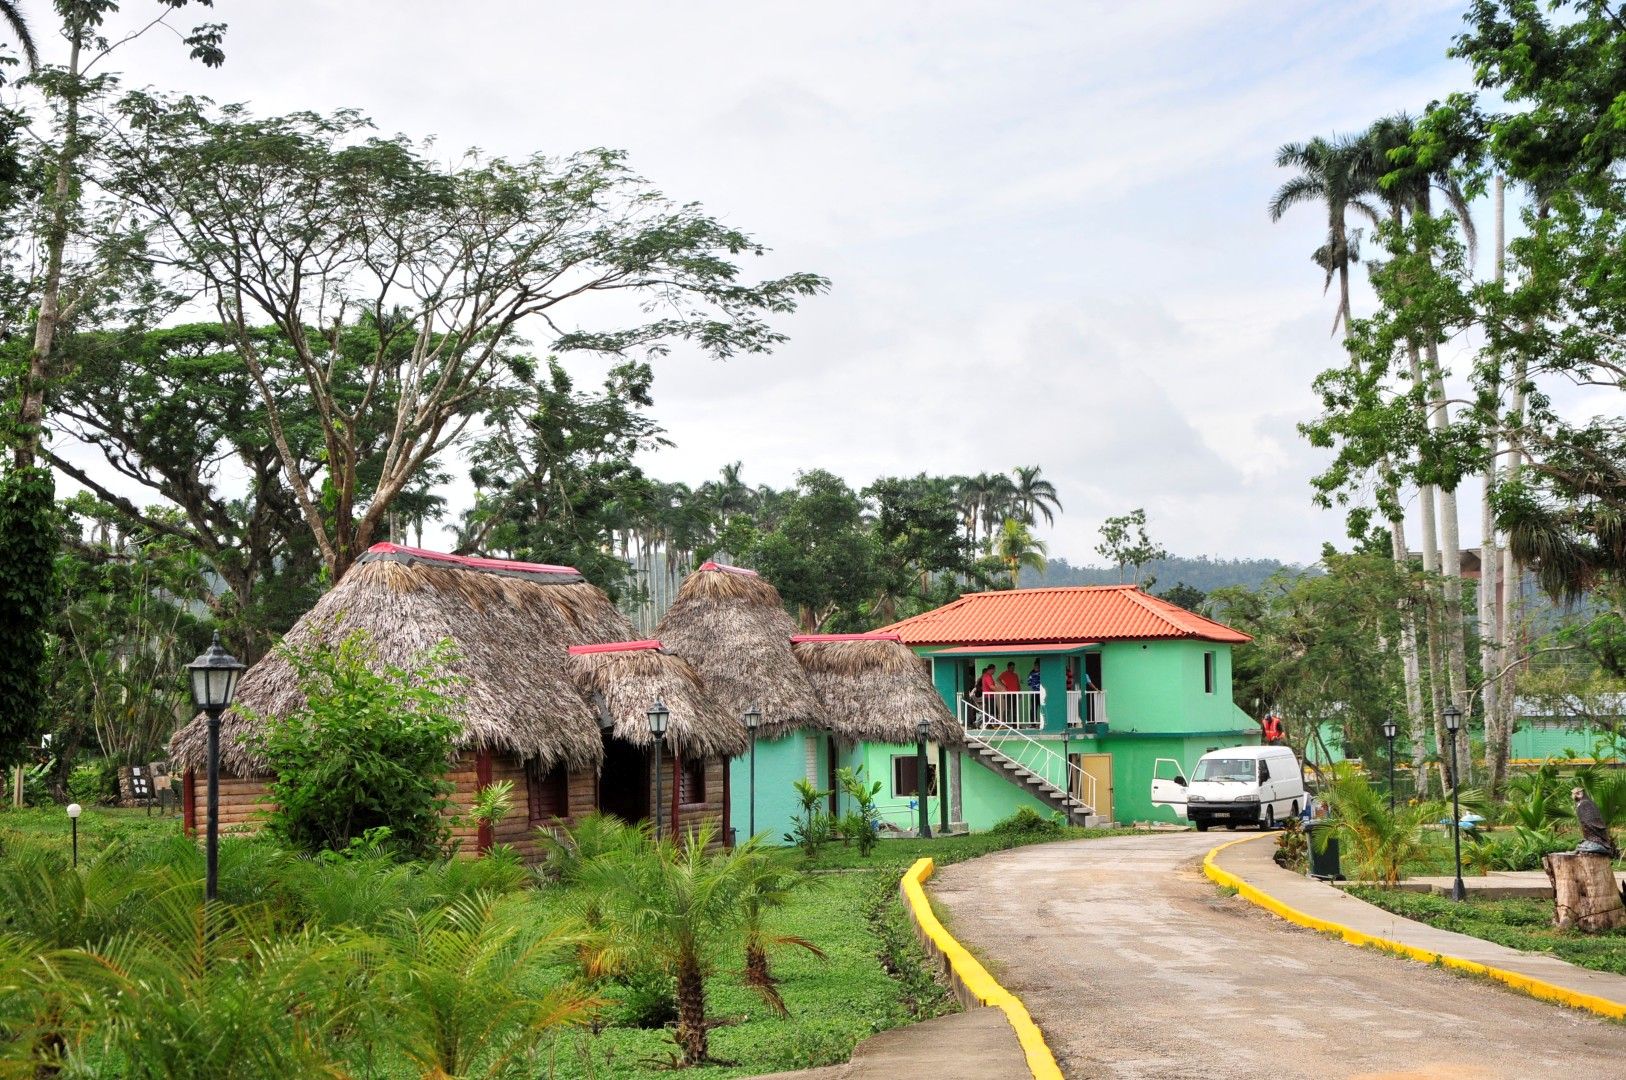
(1092, 668)
(623, 786)
(832, 763)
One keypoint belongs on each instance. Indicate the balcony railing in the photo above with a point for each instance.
(1086, 707)
(1020, 709)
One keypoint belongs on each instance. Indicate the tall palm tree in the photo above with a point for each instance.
(1017, 549)
(11, 13)
(1331, 172)
(1035, 495)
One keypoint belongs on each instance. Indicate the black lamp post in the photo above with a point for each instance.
(73, 818)
(1389, 733)
(753, 718)
(1453, 721)
(922, 729)
(214, 684)
(658, 715)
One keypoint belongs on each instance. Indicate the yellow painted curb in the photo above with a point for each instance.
(1537, 988)
(978, 982)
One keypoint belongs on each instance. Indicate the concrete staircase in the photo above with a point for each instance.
(1074, 809)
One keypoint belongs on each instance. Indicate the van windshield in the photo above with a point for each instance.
(1238, 769)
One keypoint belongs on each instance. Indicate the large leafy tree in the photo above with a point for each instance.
(301, 221)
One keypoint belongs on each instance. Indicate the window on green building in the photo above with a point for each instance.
(906, 777)
(1208, 673)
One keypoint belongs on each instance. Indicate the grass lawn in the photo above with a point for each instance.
(1519, 924)
(874, 975)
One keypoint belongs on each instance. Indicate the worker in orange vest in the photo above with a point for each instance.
(1274, 732)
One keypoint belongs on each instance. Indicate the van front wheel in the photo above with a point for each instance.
(1202, 826)
(1270, 819)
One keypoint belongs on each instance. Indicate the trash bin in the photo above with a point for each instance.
(1324, 864)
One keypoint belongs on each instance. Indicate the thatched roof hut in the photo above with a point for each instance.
(874, 688)
(509, 622)
(625, 678)
(731, 626)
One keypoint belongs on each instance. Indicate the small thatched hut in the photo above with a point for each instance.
(511, 625)
(875, 691)
(624, 679)
(731, 626)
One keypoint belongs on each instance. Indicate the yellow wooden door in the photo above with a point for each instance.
(1098, 766)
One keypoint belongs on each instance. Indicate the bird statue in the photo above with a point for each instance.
(1595, 839)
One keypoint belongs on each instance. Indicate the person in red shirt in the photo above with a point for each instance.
(1011, 683)
(989, 686)
(1274, 731)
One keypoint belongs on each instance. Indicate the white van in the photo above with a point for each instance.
(1244, 785)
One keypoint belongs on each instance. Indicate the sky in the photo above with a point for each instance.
(1044, 222)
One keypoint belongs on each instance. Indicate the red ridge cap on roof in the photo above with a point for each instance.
(401, 553)
(724, 568)
(616, 646)
(875, 635)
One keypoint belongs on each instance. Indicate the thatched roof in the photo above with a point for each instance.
(731, 626)
(626, 678)
(510, 624)
(874, 688)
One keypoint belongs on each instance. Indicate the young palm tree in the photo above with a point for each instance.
(771, 881)
(1017, 549)
(1035, 495)
(677, 905)
(1377, 842)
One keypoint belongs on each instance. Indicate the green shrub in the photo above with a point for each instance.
(1292, 846)
(1028, 822)
(95, 784)
(812, 826)
(370, 748)
(862, 823)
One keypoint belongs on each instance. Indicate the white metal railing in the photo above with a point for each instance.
(1021, 709)
(1014, 744)
(1086, 707)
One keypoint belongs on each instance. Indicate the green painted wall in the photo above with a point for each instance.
(899, 811)
(1538, 740)
(1157, 686)
(987, 798)
(780, 763)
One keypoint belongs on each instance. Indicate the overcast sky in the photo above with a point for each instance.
(1044, 222)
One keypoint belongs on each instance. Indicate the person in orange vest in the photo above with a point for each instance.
(1274, 731)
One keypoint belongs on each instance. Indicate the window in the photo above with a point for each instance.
(906, 777)
(693, 781)
(1208, 673)
(548, 794)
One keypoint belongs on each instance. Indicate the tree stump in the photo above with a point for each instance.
(1585, 896)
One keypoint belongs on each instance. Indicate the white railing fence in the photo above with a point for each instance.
(1022, 709)
(1086, 707)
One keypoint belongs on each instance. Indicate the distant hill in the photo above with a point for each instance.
(1200, 573)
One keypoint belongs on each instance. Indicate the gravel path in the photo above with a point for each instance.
(1135, 966)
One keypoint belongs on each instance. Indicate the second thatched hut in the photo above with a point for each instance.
(881, 707)
(731, 626)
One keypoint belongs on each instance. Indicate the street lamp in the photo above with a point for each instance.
(214, 684)
(73, 817)
(659, 714)
(1389, 732)
(923, 728)
(753, 718)
(1453, 721)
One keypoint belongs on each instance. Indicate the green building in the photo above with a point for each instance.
(1093, 685)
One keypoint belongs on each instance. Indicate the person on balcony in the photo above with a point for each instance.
(1011, 683)
(989, 687)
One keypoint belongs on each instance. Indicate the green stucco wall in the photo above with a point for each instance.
(1537, 740)
(780, 763)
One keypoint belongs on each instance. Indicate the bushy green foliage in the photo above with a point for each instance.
(812, 826)
(862, 823)
(1028, 822)
(1518, 849)
(1375, 842)
(1292, 846)
(94, 783)
(370, 748)
(28, 536)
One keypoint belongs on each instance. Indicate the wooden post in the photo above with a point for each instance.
(482, 780)
(189, 803)
(1585, 895)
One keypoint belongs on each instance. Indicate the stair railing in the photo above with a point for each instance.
(1019, 747)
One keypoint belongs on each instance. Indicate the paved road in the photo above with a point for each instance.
(1135, 966)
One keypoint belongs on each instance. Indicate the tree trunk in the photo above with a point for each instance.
(1585, 894)
(1417, 721)
(691, 1003)
(1490, 565)
(31, 408)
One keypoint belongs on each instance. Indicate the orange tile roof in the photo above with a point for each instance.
(1078, 613)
